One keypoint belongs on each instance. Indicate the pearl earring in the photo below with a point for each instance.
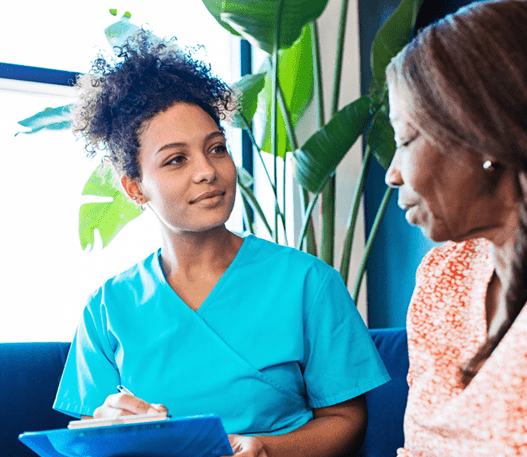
(489, 166)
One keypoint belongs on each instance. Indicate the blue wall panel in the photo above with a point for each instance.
(398, 248)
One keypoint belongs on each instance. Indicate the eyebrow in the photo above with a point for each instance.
(209, 137)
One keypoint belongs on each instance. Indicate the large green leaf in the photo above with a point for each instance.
(255, 20)
(381, 138)
(248, 88)
(107, 217)
(324, 150)
(392, 37)
(51, 118)
(215, 8)
(295, 76)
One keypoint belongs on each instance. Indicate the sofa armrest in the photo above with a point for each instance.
(29, 378)
(387, 403)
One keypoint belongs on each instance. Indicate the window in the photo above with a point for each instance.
(46, 277)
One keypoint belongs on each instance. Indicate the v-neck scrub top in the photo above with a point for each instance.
(278, 336)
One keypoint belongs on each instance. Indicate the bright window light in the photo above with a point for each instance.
(66, 35)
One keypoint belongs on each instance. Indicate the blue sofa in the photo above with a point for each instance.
(30, 373)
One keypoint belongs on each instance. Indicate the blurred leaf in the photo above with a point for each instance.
(255, 20)
(295, 76)
(381, 138)
(51, 118)
(107, 217)
(324, 150)
(248, 87)
(392, 37)
(244, 177)
(118, 32)
(214, 7)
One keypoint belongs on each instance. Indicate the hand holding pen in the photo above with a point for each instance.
(125, 403)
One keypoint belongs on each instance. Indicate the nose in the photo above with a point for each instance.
(393, 176)
(204, 169)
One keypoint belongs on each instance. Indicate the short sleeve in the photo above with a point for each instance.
(90, 373)
(341, 361)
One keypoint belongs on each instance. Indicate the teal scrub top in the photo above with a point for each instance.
(278, 336)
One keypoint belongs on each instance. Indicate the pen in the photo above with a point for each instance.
(124, 390)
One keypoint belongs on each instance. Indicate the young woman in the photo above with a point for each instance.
(458, 105)
(264, 336)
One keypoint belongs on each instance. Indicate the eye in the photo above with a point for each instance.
(406, 143)
(219, 149)
(177, 160)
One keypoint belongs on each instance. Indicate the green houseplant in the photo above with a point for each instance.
(287, 31)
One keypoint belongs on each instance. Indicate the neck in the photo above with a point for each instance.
(502, 247)
(186, 252)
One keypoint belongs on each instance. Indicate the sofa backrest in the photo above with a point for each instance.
(29, 378)
(30, 374)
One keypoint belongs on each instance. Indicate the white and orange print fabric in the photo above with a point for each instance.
(446, 325)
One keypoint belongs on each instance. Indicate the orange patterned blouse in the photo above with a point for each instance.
(446, 325)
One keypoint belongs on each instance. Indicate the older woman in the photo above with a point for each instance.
(458, 105)
(264, 336)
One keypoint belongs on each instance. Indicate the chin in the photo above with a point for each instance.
(435, 234)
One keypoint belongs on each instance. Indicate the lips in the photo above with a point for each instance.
(205, 195)
(405, 205)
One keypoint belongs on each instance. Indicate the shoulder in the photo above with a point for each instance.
(291, 271)
(269, 252)
(128, 284)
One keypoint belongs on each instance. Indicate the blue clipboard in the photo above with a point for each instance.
(192, 436)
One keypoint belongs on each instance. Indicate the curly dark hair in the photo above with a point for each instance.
(147, 76)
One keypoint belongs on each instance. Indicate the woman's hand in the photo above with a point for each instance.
(247, 446)
(122, 404)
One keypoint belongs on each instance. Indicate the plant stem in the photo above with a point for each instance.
(307, 214)
(327, 248)
(369, 243)
(274, 105)
(311, 243)
(259, 151)
(317, 75)
(246, 192)
(291, 135)
(354, 212)
(329, 194)
(338, 60)
(248, 222)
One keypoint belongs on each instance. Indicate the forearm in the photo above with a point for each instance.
(326, 436)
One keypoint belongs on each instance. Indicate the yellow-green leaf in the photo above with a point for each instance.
(106, 217)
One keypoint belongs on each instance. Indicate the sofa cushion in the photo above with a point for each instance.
(30, 374)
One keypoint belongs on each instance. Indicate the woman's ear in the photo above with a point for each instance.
(133, 189)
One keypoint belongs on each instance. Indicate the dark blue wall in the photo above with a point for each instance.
(398, 248)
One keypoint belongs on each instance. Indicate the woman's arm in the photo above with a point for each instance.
(336, 430)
